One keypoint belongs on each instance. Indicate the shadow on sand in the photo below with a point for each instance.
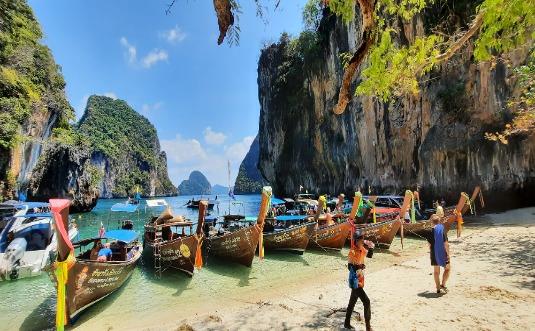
(171, 278)
(286, 256)
(229, 269)
(430, 295)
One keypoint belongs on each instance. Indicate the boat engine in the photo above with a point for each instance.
(11, 260)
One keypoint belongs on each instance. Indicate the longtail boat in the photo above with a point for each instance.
(288, 233)
(235, 242)
(451, 215)
(381, 232)
(174, 249)
(81, 280)
(330, 232)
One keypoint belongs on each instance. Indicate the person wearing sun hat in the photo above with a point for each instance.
(360, 249)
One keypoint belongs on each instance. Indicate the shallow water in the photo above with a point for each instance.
(29, 304)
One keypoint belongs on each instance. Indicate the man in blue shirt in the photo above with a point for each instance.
(105, 253)
(439, 253)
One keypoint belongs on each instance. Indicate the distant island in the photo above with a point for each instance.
(196, 184)
(219, 189)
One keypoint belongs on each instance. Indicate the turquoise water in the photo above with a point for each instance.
(29, 304)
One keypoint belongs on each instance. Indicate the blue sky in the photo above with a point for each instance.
(202, 98)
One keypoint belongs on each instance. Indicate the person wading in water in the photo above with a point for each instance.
(440, 252)
(358, 252)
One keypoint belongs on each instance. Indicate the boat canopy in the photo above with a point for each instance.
(276, 201)
(156, 202)
(250, 219)
(127, 207)
(291, 218)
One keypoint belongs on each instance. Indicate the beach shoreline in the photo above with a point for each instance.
(492, 286)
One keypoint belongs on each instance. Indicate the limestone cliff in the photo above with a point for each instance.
(66, 171)
(249, 179)
(126, 149)
(32, 95)
(434, 140)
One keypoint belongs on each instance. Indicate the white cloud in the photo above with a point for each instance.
(173, 36)
(146, 108)
(238, 150)
(110, 95)
(182, 151)
(213, 138)
(131, 50)
(185, 155)
(155, 56)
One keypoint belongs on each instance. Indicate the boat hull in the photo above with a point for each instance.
(381, 233)
(90, 281)
(330, 236)
(421, 228)
(238, 246)
(177, 253)
(294, 239)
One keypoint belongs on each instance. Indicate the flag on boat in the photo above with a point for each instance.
(231, 194)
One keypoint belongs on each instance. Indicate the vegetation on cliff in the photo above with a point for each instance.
(129, 144)
(31, 83)
(196, 184)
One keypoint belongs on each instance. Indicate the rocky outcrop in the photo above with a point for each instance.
(196, 184)
(249, 179)
(126, 150)
(32, 96)
(65, 171)
(434, 140)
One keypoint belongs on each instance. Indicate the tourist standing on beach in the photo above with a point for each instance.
(358, 252)
(440, 252)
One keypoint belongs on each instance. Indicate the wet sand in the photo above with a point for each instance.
(492, 286)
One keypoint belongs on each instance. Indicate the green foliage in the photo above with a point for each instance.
(506, 26)
(127, 139)
(522, 105)
(394, 70)
(115, 129)
(312, 14)
(343, 8)
(30, 81)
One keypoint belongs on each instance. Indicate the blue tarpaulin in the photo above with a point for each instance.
(32, 205)
(127, 207)
(291, 218)
(126, 236)
(276, 201)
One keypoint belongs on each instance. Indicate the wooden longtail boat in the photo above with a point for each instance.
(451, 215)
(330, 232)
(174, 249)
(292, 233)
(238, 244)
(381, 233)
(80, 281)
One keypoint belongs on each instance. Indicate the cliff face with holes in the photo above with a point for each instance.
(434, 140)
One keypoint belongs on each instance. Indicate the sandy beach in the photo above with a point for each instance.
(492, 287)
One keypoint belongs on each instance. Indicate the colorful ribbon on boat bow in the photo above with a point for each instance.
(262, 213)
(61, 270)
(198, 252)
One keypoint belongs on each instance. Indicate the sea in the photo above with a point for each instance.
(30, 303)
